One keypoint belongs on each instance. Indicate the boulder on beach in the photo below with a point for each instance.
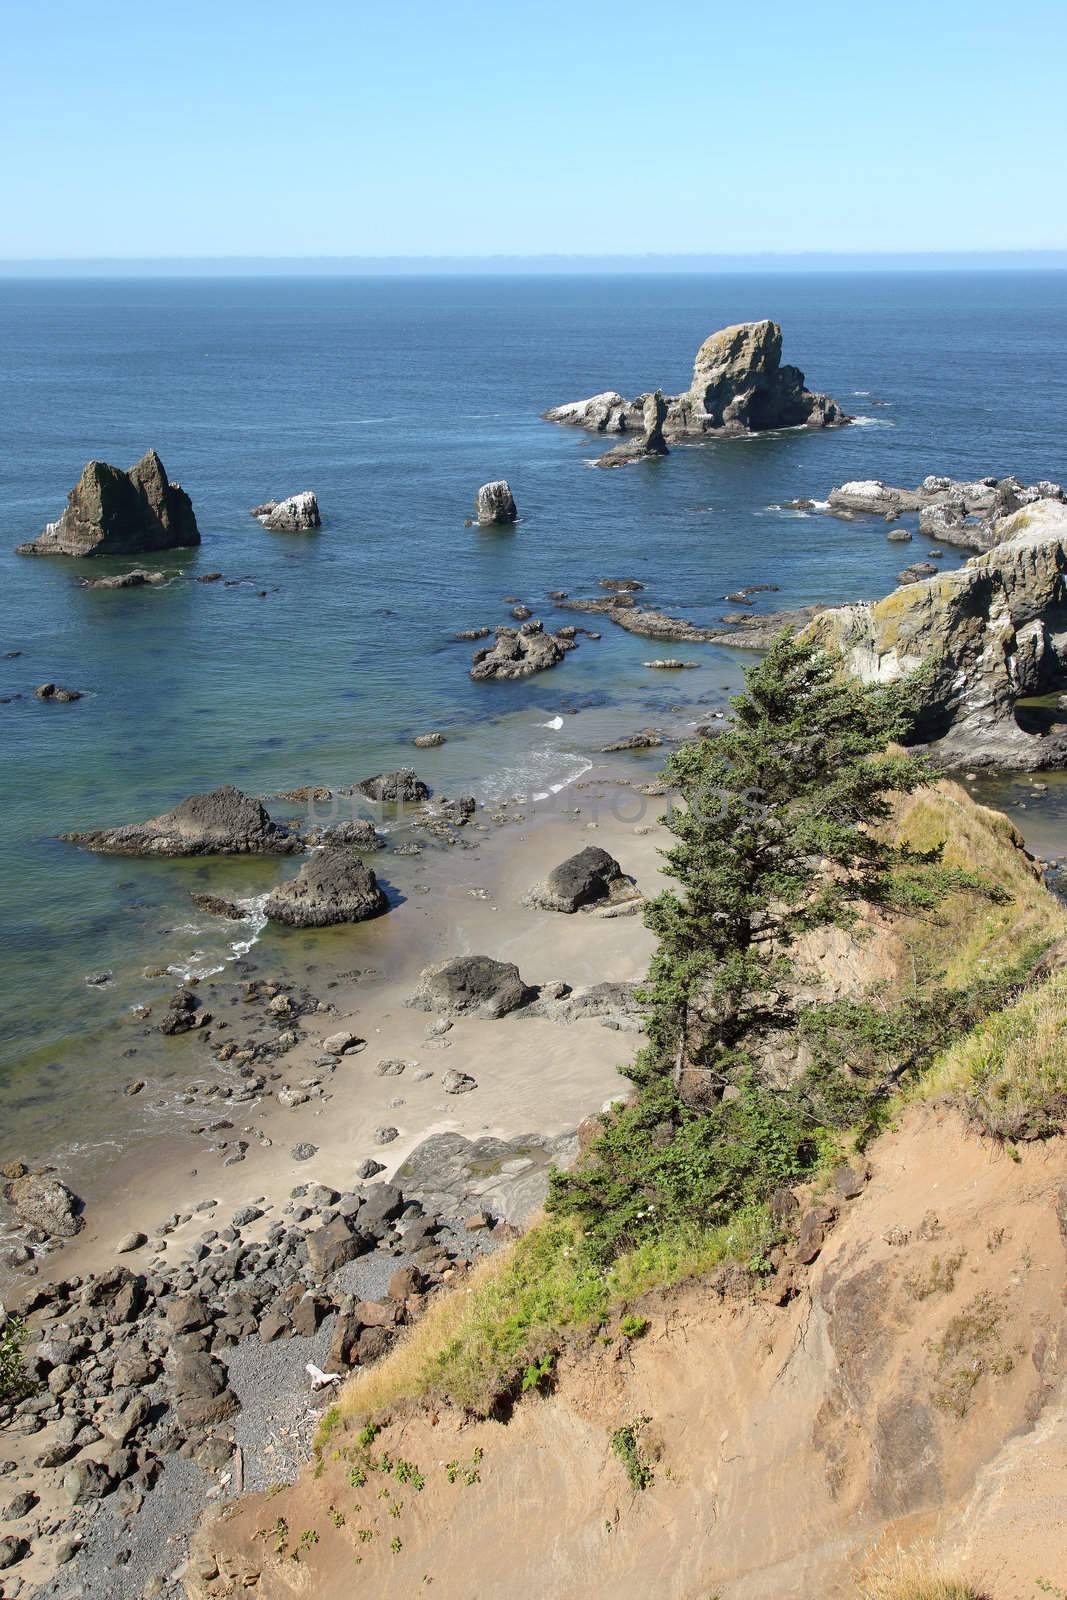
(590, 875)
(402, 787)
(475, 986)
(494, 503)
(42, 1201)
(520, 652)
(359, 834)
(296, 514)
(739, 386)
(222, 822)
(114, 513)
(332, 886)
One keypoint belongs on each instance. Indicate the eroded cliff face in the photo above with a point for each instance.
(909, 1386)
(990, 635)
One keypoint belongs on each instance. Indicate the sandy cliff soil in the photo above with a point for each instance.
(912, 1389)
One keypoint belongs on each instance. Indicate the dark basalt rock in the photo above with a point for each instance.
(519, 653)
(222, 822)
(590, 875)
(650, 444)
(470, 986)
(333, 886)
(402, 787)
(111, 512)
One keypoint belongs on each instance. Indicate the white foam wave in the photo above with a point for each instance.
(539, 774)
(872, 422)
(553, 722)
(255, 908)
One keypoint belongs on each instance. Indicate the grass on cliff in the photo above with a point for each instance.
(915, 1575)
(481, 1341)
(1010, 1072)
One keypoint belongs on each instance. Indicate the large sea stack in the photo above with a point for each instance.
(739, 386)
(115, 513)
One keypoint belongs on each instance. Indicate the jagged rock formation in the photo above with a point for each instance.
(990, 634)
(332, 886)
(651, 443)
(221, 822)
(137, 579)
(114, 513)
(298, 513)
(745, 631)
(950, 511)
(495, 503)
(520, 652)
(739, 386)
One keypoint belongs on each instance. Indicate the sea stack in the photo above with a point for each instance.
(298, 513)
(114, 513)
(495, 504)
(739, 386)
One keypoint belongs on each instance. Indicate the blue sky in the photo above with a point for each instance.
(462, 127)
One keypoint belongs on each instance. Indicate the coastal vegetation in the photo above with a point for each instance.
(803, 820)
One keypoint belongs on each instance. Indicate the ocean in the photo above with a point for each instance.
(394, 399)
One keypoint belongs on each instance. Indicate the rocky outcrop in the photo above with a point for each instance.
(298, 513)
(223, 822)
(332, 886)
(402, 787)
(991, 634)
(583, 879)
(494, 504)
(469, 986)
(651, 441)
(42, 1202)
(950, 511)
(520, 652)
(115, 513)
(739, 386)
(137, 579)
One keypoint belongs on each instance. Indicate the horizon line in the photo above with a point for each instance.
(544, 262)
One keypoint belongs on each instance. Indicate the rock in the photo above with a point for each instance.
(991, 636)
(137, 578)
(12, 1550)
(646, 739)
(181, 1015)
(899, 536)
(583, 878)
(520, 652)
(373, 1343)
(812, 1233)
(495, 503)
(405, 1282)
(428, 741)
(391, 1068)
(296, 514)
(222, 822)
(130, 1241)
(332, 886)
(110, 512)
(849, 1182)
(332, 1245)
(201, 1396)
(386, 1135)
(455, 1082)
(651, 441)
(87, 1480)
(369, 1169)
(739, 386)
(359, 834)
(304, 1151)
(20, 1505)
(43, 1202)
(52, 691)
(383, 1203)
(216, 906)
(470, 986)
(669, 664)
(402, 787)
(965, 514)
(343, 1043)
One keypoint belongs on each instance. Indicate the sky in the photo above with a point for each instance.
(528, 127)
